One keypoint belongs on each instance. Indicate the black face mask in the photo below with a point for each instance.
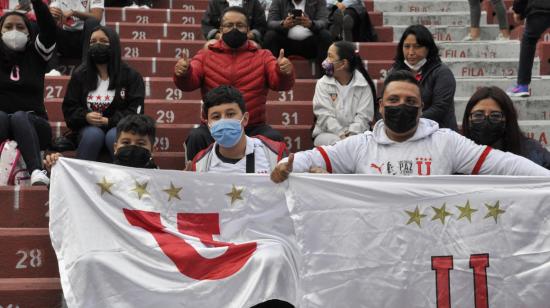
(486, 132)
(100, 53)
(400, 118)
(134, 156)
(234, 38)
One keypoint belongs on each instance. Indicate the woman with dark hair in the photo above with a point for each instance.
(491, 119)
(23, 61)
(101, 91)
(418, 53)
(343, 103)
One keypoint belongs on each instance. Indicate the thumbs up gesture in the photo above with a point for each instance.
(182, 66)
(281, 172)
(284, 64)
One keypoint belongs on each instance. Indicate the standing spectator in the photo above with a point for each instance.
(344, 97)
(101, 91)
(75, 20)
(475, 17)
(350, 21)
(23, 61)
(257, 24)
(233, 60)
(417, 53)
(300, 28)
(403, 144)
(537, 15)
(491, 119)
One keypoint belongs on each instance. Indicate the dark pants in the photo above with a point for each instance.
(535, 25)
(31, 132)
(274, 303)
(199, 138)
(91, 142)
(313, 47)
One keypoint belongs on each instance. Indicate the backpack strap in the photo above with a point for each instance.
(198, 158)
(276, 147)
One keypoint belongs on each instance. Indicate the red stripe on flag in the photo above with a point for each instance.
(481, 159)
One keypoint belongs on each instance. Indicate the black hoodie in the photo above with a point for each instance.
(127, 83)
(22, 72)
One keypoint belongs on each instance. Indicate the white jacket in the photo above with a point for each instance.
(430, 151)
(335, 113)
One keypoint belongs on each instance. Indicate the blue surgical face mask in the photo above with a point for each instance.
(227, 132)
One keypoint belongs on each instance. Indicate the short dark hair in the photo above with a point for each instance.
(139, 124)
(222, 95)
(236, 9)
(511, 142)
(400, 75)
(423, 38)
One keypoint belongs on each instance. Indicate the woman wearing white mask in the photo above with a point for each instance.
(418, 53)
(343, 103)
(23, 58)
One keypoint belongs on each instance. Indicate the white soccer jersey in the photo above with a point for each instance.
(79, 6)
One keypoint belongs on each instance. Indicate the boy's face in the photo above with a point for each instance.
(227, 111)
(130, 138)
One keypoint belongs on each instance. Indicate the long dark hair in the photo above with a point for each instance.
(423, 38)
(346, 51)
(9, 57)
(512, 139)
(113, 67)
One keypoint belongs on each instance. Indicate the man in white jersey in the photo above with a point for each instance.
(404, 144)
(233, 151)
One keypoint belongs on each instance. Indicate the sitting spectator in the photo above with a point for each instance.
(350, 21)
(233, 151)
(537, 20)
(418, 53)
(233, 60)
(24, 6)
(135, 137)
(344, 97)
(300, 28)
(101, 91)
(404, 144)
(141, 4)
(75, 19)
(491, 119)
(210, 24)
(23, 62)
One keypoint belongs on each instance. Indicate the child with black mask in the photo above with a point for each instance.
(135, 137)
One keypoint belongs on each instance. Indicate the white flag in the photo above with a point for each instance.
(453, 241)
(127, 237)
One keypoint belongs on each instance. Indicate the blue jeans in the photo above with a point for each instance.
(92, 139)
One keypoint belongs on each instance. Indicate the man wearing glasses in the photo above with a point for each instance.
(403, 144)
(234, 60)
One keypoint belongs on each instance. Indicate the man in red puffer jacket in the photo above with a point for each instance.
(235, 61)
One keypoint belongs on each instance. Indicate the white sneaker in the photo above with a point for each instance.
(145, 7)
(54, 73)
(501, 37)
(469, 38)
(39, 177)
(133, 6)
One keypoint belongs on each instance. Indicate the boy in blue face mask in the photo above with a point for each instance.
(233, 151)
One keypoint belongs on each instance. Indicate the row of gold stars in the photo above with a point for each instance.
(172, 191)
(466, 211)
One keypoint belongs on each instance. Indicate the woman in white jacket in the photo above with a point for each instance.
(343, 103)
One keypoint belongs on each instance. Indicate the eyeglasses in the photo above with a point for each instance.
(229, 26)
(494, 117)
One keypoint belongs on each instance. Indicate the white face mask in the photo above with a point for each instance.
(15, 40)
(417, 66)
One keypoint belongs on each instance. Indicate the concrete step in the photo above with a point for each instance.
(443, 18)
(421, 6)
(480, 49)
(473, 67)
(450, 33)
(465, 87)
(24, 207)
(528, 108)
(30, 293)
(538, 130)
(203, 4)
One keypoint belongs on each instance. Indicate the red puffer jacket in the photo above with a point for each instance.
(251, 70)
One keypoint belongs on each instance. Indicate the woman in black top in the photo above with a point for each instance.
(23, 60)
(101, 91)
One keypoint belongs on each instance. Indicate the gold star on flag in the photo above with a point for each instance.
(173, 192)
(494, 211)
(105, 186)
(415, 216)
(141, 189)
(441, 213)
(466, 211)
(235, 194)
